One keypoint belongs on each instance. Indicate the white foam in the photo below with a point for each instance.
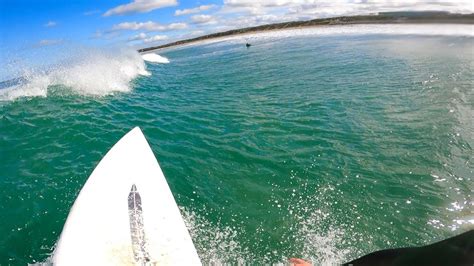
(88, 72)
(155, 58)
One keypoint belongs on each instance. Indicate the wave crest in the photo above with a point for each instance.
(88, 72)
(155, 58)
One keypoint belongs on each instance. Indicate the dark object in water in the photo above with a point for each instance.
(458, 250)
(248, 45)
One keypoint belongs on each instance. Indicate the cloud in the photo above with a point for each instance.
(147, 39)
(329, 8)
(139, 6)
(196, 32)
(49, 42)
(246, 13)
(149, 26)
(181, 12)
(347, 8)
(155, 38)
(203, 19)
(50, 24)
(265, 3)
(138, 37)
(91, 12)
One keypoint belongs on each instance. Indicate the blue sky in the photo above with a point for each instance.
(142, 23)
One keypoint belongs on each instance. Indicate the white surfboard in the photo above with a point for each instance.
(125, 214)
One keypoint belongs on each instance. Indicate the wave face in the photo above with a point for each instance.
(87, 72)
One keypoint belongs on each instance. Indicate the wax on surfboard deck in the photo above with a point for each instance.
(126, 214)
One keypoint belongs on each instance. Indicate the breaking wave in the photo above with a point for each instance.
(87, 72)
(155, 58)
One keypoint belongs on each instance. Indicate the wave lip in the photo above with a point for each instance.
(155, 58)
(89, 72)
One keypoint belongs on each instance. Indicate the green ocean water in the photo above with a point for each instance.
(324, 147)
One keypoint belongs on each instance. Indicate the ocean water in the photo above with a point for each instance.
(324, 144)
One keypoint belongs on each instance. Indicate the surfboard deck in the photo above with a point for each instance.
(126, 214)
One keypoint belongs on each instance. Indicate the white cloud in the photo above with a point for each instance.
(343, 8)
(49, 42)
(246, 13)
(139, 6)
(50, 24)
(147, 39)
(138, 37)
(181, 12)
(148, 26)
(328, 8)
(203, 19)
(197, 33)
(265, 3)
(155, 38)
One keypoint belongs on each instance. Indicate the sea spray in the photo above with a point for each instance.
(317, 232)
(87, 72)
(322, 241)
(216, 244)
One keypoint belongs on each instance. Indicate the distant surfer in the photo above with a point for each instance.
(248, 45)
(458, 250)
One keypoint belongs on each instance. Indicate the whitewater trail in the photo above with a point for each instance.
(91, 72)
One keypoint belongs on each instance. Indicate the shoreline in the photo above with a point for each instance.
(439, 18)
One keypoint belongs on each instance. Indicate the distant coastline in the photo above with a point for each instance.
(406, 17)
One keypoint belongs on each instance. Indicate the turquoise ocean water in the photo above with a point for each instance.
(320, 146)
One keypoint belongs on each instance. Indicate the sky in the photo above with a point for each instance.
(143, 23)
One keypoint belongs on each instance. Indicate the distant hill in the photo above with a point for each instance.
(400, 17)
